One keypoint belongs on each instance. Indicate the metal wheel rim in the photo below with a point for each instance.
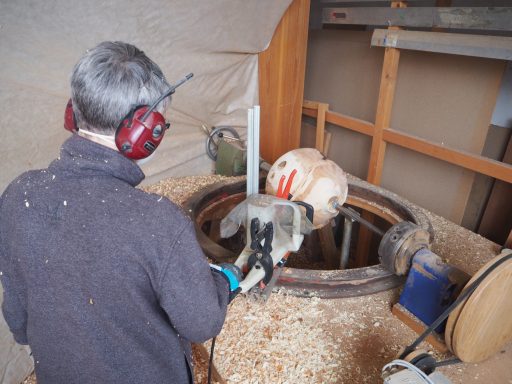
(318, 283)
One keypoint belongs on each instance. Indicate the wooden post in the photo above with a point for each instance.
(326, 236)
(382, 120)
(320, 127)
(384, 107)
(282, 69)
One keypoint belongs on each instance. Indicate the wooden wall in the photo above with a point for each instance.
(281, 81)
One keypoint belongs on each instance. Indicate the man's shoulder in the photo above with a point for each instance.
(26, 180)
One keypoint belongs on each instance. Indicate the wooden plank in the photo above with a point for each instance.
(364, 241)
(417, 326)
(327, 143)
(320, 126)
(310, 104)
(206, 357)
(482, 18)
(383, 116)
(493, 47)
(476, 163)
(352, 123)
(496, 222)
(378, 149)
(480, 164)
(281, 69)
(484, 326)
(328, 245)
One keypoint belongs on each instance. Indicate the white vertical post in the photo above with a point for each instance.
(253, 150)
(250, 156)
(256, 150)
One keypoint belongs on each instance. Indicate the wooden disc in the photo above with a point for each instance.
(454, 315)
(452, 320)
(484, 324)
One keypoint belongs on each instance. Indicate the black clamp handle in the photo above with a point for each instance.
(261, 252)
(310, 211)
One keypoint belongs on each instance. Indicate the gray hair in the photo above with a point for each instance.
(109, 81)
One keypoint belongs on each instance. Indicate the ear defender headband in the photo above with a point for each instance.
(140, 132)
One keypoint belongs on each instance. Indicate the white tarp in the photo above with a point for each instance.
(40, 41)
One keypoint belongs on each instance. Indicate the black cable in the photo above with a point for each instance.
(169, 92)
(455, 360)
(447, 311)
(210, 363)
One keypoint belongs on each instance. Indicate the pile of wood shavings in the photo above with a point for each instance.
(180, 189)
(290, 339)
(460, 247)
(295, 340)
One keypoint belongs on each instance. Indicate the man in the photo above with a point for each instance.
(106, 283)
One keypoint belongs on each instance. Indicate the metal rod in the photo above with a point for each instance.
(345, 245)
(256, 150)
(350, 213)
(250, 144)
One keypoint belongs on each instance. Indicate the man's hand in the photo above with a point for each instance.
(233, 276)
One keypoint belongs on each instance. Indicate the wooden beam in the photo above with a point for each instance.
(378, 149)
(480, 164)
(320, 126)
(493, 47)
(352, 123)
(308, 104)
(496, 223)
(281, 81)
(482, 18)
(476, 163)
(383, 116)
(328, 246)
(417, 326)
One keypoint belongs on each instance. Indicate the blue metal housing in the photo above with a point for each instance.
(431, 287)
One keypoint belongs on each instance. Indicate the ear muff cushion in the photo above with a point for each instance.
(69, 118)
(137, 138)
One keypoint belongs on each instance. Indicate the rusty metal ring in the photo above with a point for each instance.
(214, 202)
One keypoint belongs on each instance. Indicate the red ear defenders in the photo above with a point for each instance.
(140, 132)
(136, 138)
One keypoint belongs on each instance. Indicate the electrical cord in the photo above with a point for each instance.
(447, 362)
(465, 294)
(210, 363)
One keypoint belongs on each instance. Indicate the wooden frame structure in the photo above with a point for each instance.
(381, 133)
(476, 163)
(282, 71)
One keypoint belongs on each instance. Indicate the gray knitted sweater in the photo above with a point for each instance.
(106, 283)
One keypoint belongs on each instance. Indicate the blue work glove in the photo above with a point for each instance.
(233, 276)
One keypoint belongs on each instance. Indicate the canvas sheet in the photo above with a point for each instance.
(40, 41)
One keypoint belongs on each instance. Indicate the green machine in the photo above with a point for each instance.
(229, 152)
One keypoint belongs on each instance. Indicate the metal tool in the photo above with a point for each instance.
(399, 245)
(274, 229)
(216, 135)
(355, 216)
